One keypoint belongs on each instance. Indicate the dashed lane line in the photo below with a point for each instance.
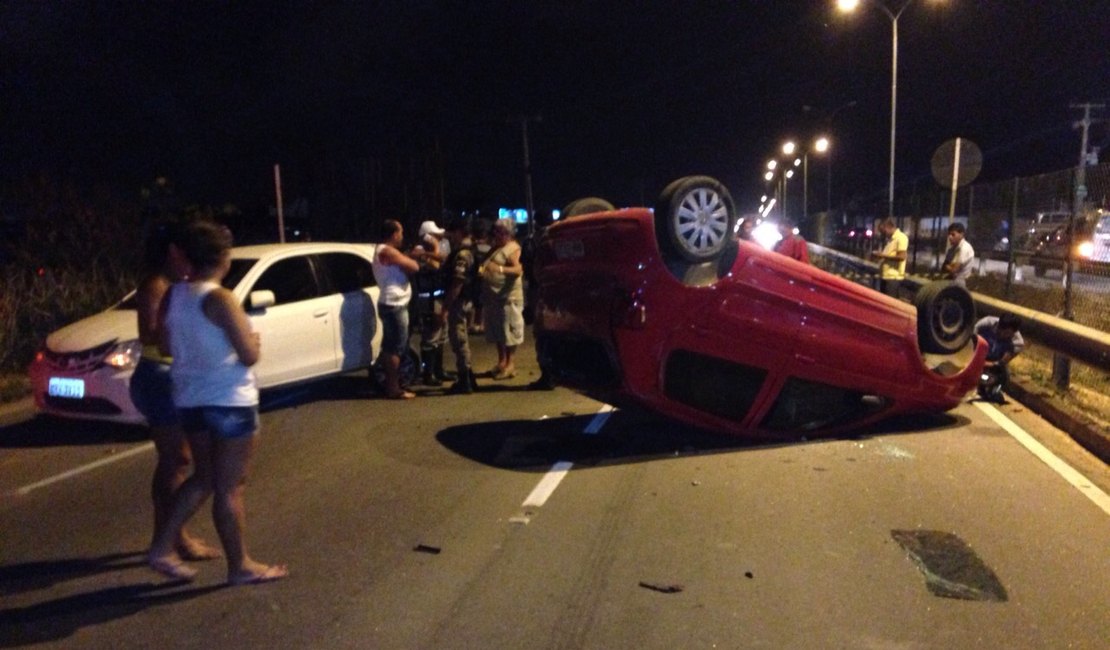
(546, 487)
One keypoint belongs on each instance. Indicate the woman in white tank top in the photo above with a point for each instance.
(213, 347)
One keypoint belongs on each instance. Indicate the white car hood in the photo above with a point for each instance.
(114, 324)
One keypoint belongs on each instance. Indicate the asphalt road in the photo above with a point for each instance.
(513, 519)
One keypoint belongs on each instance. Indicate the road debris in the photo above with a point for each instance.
(425, 548)
(662, 587)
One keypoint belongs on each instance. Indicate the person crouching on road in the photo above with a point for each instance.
(1004, 342)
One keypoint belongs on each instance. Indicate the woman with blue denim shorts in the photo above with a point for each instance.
(215, 390)
(150, 387)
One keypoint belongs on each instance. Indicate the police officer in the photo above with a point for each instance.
(458, 301)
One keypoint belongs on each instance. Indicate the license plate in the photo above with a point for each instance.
(66, 387)
(569, 249)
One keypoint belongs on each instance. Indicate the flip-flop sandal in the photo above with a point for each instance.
(173, 568)
(269, 574)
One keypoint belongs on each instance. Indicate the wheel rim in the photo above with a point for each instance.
(948, 320)
(701, 221)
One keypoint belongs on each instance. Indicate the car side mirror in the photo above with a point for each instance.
(261, 299)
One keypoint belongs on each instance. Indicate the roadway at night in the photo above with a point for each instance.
(511, 519)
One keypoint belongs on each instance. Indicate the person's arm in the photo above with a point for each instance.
(148, 305)
(390, 255)
(221, 307)
(512, 267)
(803, 250)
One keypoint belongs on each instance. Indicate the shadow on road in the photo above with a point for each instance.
(60, 618)
(46, 431)
(627, 437)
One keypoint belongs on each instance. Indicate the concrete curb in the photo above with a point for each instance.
(1089, 437)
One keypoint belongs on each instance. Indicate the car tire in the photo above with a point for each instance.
(945, 317)
(588, 205)
(694, 219)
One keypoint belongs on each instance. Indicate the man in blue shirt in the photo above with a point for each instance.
(1004, 342)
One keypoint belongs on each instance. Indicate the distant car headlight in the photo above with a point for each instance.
(1087, 249)
(125, 355)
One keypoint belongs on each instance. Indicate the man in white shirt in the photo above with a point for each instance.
(959, 255)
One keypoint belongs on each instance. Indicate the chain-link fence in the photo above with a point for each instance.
(1024, 231)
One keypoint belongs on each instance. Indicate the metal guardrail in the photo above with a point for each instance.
(1082, 343)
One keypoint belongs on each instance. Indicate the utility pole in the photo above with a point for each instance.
(1061, 365)
(524, 120)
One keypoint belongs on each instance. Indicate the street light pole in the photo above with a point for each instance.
(849, 5)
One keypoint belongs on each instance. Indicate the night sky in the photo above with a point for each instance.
(630, 94)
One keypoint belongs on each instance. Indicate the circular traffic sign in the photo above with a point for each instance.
(966, 166)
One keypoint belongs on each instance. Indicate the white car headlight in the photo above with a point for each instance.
(1087, 249)
(125, 355)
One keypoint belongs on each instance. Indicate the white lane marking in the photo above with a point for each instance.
(1070, 474)
(599, 420)
(26, 489)
(547, 484)
(544, 489)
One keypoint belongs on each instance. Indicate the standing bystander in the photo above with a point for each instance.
(213, 348)
(503, 298)
(458, 302)
(892, 259)
(792, 244)
(392, 269)
(152, 390)
(958, 256)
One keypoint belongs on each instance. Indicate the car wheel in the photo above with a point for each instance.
(694, 219)
(945, 317)
(588, 205)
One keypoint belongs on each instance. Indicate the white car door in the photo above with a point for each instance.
(298, 332)
(358, 335)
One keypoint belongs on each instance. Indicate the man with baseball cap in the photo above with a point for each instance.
(430, 281)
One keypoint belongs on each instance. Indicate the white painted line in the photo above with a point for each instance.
(1070, 474)
(26, 489)
(544, 489)
(547, 484)
(599, 420)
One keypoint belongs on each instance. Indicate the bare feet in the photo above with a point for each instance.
(193, 549)
(258, 574)
(404, 394)
(171, 566)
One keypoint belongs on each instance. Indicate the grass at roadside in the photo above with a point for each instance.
(13, 386)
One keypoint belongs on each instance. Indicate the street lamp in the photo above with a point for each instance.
(820, 145)
(851, 5)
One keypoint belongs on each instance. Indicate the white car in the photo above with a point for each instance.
(314, 305)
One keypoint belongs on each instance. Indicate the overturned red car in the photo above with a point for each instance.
(664, 309)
